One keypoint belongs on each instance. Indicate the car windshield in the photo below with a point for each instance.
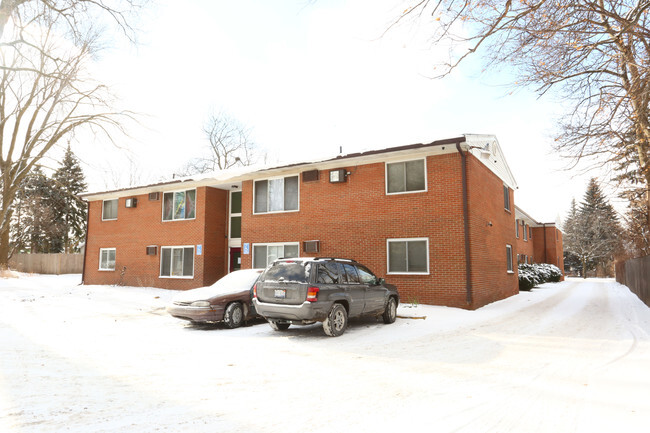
(289, 271)
(237, 280)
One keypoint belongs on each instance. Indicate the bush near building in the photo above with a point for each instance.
(533, 275)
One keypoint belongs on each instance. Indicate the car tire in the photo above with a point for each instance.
(234, 315)
(336, 321)
(279, 326)
(390, 313)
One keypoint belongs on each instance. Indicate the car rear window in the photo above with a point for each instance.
(294, 272)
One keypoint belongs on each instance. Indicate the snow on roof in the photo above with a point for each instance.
(485, 147)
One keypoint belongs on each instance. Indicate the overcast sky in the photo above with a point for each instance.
(308, 77)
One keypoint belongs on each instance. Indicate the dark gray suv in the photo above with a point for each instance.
(329, 290)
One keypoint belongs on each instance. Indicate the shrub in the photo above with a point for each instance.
(533, 275)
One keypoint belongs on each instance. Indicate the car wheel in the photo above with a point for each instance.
(390, 313)
(336, 321)
(234, 315)
(279, 326)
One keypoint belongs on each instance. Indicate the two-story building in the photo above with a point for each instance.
(438, 220)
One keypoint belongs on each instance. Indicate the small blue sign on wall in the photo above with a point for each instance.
(199, 250)
(247, 248)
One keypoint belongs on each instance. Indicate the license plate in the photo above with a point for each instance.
(280, 293)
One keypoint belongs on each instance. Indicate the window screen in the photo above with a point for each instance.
(407, 176)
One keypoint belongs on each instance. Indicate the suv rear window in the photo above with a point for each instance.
(295, 272)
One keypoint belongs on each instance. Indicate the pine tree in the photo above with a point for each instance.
(36, 228)
(592, 231)
(71, 210)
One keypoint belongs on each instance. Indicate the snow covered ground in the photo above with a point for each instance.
(567, 357)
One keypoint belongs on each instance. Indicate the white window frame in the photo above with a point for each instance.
(101, 251)
(271, 244)
(525, 231)
(517, 228)
(509, 266)
(267, 195)
(426, 183)
(183, 277)
(117, 207)
(162, 214)
(388, 241)
(506, 203)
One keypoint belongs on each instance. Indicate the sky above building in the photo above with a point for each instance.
(310, 78)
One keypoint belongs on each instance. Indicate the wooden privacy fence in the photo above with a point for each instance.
(635, 274)
(47, 263)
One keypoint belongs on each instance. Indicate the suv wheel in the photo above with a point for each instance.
(390, 313)
(336, 321)
(279, 326)
(234, 315)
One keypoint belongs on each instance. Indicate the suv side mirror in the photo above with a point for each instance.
(379, 281)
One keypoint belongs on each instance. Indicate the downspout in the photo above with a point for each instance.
(544, 226)
(468, 274)
(83, 268)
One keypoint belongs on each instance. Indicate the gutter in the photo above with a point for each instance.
(468, 274)
(544, 228)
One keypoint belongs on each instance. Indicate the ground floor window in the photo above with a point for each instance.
(509, 258)
(408, 256)
(107, 259)
(177, 262)
(265, 254)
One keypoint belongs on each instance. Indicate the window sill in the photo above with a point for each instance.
(408, 273)
(406, 192)
(176, 277)
(178, 219)
(510, 272)
(276, 212)
(106, 270)
(109, 219)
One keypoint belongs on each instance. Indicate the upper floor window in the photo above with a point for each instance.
(179, 205)
(109, 210)
(506, 197)
(525, 231)
(517, 228)
(406, 176)
(107, 259)
(276, 195)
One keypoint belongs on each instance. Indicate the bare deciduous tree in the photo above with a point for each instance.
(46, 96)
(595, 53)
(229, 145)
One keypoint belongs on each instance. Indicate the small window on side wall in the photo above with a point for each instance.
(509, 258)
(109, 210)
(506, 197)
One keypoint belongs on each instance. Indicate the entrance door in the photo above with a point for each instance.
(235, 259)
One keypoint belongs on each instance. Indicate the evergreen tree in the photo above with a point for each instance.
(71, 211)
(592, 231)
(36, 228)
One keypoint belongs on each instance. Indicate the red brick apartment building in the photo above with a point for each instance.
(438, 220)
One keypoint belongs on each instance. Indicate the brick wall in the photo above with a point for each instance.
(548, 246)
(136, 228)
(491, 229)
(354, 220)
